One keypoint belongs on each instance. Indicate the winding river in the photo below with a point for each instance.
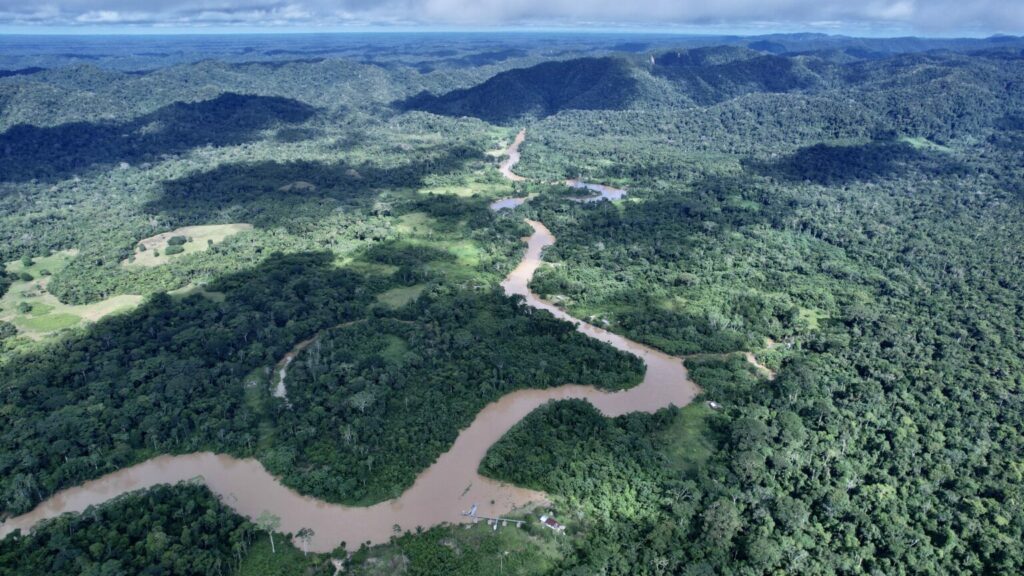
(441, 492)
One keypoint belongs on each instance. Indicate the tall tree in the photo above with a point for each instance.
(270, 523)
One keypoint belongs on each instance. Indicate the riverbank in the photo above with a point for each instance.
(440, 493)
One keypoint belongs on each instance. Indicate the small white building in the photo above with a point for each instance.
(552, 523)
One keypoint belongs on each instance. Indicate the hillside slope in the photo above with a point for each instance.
(539, 91)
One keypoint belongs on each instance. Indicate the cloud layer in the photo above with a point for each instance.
(924, 16)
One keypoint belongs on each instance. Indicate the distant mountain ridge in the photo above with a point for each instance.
(539, 91)
(710, 75)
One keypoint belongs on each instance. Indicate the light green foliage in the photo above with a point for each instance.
(29, 305)
(464, 549)
(398, 297)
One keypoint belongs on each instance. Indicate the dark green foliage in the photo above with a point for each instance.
(711, 75)
(887, 273)
(618, 495)
(172, 250)
(538, 91)
(59, 151)
(176, 240)
(165, 378)
(860, 208)
(7, 330)
(373, 403)
(836, 165)
(180, 530)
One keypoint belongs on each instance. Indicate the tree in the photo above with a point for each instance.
(270, 523)
(721, 522)
(305, 535)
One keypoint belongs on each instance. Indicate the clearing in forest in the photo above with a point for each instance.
(398, 297)
(160, 249)
(36, 313)
(688, 442)
(298, 185)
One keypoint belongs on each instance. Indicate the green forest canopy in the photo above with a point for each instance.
(852, 215)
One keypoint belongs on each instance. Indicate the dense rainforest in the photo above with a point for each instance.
(177, 530)
(849, 211)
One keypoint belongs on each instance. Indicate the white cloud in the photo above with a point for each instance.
(914, 15)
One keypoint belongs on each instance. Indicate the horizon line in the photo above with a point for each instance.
(71, 31)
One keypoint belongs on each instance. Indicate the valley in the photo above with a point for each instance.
(441, 493)
(289, 304)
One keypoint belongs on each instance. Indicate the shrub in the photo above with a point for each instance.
(7, 330)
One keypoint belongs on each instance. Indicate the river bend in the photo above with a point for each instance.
(441, 492)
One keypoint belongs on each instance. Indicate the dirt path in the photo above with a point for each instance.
(280, 391)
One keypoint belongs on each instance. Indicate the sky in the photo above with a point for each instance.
(855, 17)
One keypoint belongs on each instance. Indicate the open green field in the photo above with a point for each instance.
(465, 549)
(922, 143)
(687, 443)
(415, 223)
(37, 313)
(398, 297)
(186, 291)
(198, 239)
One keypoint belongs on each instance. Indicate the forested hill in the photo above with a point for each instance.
(935, 93)
(538, 91)
(709, 75)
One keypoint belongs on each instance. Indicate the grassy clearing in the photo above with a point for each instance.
(922, 143)
(688, 443)
(395, 352)
(421, 229)
(464, 549)
(298, 185)
(42, 265)
(810, 318)
(466, 252)
(37, 313)
(415, 223)
(260, 560)
(47, 322)
(470, 188)
(186, 291)
(200, 238)
(368, 268)
(398, 297)
(480, 179)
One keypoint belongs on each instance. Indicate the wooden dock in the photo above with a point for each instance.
(492, 520)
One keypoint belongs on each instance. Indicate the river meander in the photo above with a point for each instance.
(441, 492)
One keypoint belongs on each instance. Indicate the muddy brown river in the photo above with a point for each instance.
(440, 493)
(512, 158)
